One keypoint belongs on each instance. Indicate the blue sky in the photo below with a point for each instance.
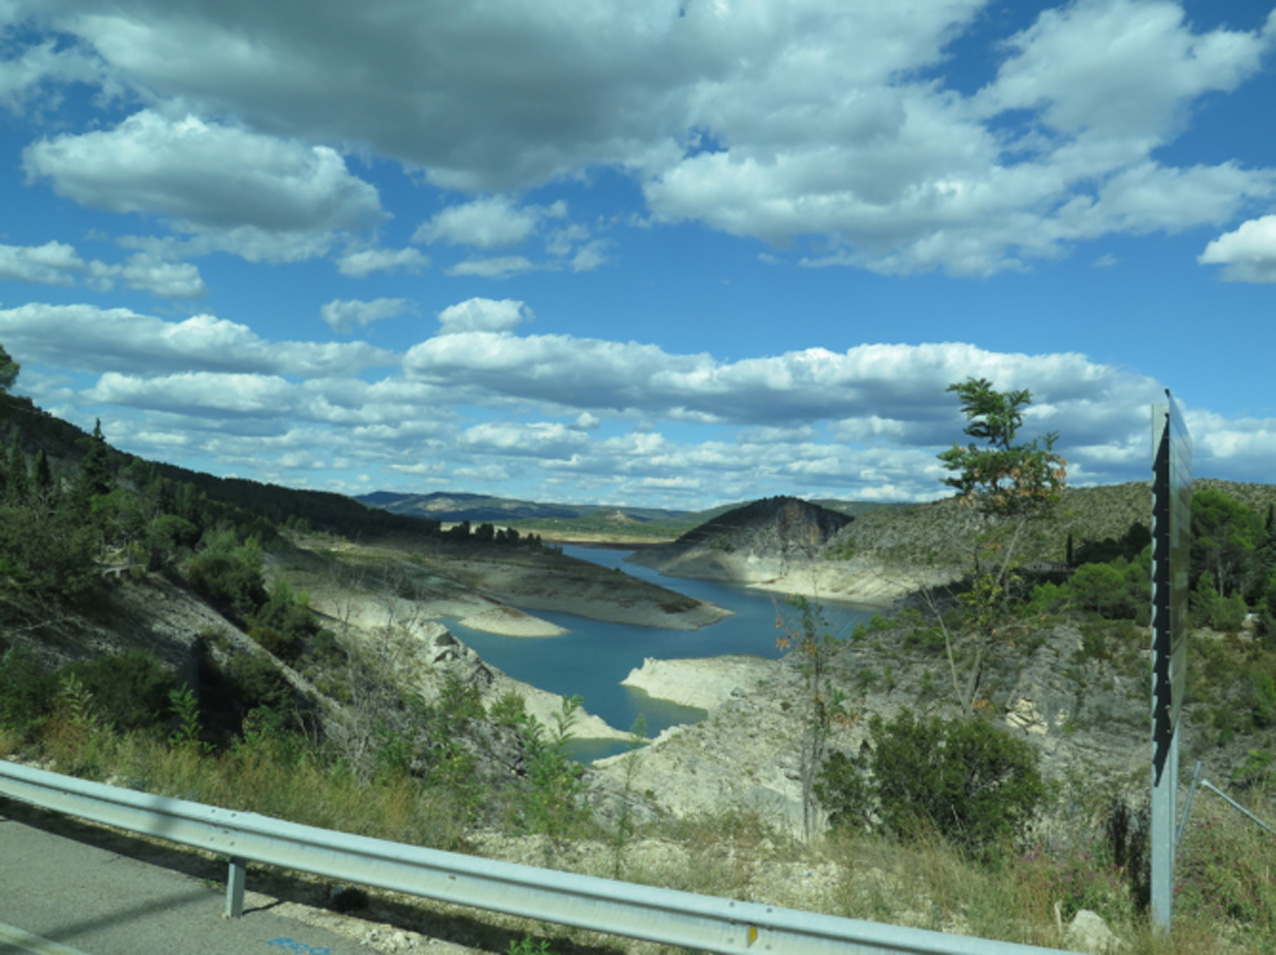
(669, 253)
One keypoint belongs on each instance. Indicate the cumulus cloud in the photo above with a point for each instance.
(538, 439)
(246, 187)
(484, 315)
(1247, 254)
(54, 263)
(166, 279)
(1245, 446)
(808, 385)
(93, 339)
(344, 315)
(363, 262)
(57, 263)
(197, 393)
(491, 222)
(1123, 68)
(802, 121)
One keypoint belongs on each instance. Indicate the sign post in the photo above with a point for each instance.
(1171, 539)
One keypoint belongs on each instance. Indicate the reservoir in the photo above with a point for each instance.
(595, 656)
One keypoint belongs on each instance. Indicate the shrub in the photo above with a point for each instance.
(258, 683)
(129, 690)
(1100, 587)
(553, 796)
(1258, 692)
(1228, 613)
(459, 700)
(26, 691)
(965, 778)
(228, 575)
(509, 709)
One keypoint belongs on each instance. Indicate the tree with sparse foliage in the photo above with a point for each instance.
(1011, 482)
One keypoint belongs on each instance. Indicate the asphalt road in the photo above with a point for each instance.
(61, 894)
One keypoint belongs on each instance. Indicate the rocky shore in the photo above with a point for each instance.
(704, 683)
(861, 580)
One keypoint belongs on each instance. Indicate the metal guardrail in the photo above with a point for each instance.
(652, 914)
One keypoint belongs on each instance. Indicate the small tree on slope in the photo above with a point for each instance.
(1011, 484)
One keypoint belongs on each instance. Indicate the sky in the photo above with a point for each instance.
(666, 254)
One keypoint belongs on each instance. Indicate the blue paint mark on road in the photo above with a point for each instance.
(289, 945)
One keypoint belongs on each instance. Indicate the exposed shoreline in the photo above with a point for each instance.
(862, 581)
(701, 682)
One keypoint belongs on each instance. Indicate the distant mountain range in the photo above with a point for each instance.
(447, 506)
(643, 521)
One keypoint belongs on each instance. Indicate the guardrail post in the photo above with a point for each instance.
(235, 888)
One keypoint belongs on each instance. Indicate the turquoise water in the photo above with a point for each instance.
(594, 657)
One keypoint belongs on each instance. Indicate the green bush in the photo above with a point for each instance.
(129, 690)
(553, 795)
(1258, 693)
(459, 700)
(230, 575)
(509, 709)
(965, 779)
(48, 555)
(1099, 587)
(26, 690)
(258, 683)
(1228, 613)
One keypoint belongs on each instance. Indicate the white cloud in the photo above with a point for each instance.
(1247, 254)
(484, 315)
(1244, 446)
(166, 279)
(589, 256)
(56, 263)
(488, 223)
(536, 439)
(499, 267)
(809, 385)
(344, 315)
(197, 393)
(1126, 68)
(782, 121)
(246, 189)
(93, 339)
(362, 263)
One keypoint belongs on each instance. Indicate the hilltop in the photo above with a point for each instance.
(592, 523)
(879, 555)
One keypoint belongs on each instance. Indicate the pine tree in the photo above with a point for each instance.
(18, 488)
(96, 474)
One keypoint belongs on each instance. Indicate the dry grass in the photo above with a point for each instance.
(271, 777)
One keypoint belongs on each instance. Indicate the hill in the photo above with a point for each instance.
(600, 523)
(773, 544)
(885, 553)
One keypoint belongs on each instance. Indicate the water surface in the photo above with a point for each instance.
(595, 656)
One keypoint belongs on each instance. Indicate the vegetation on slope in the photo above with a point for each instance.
(252, 735)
